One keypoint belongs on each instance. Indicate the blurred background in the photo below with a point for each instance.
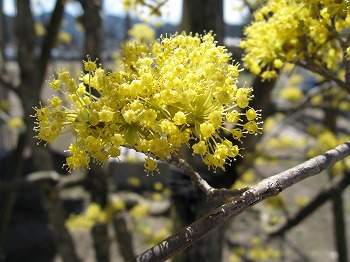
(113, 212)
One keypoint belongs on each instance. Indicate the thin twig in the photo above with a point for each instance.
(202, 184)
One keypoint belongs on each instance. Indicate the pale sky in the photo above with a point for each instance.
(110, 7)
(171, 10)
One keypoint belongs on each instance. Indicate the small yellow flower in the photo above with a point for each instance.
(200, 148)
(179, 118)
(251, 114)
(150, 164)
(89, 65)
(55, 102)
(207, 130)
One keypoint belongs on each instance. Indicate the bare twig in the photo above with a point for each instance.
(268, 187)
(202, 184)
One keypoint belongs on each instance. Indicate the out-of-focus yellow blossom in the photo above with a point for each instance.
(15, 123)
(262, 252)
(335, 97)
(145, 230)
(158, 236)
(314, 129)
(134, 181)
(295, 31)
(260, 161)
(235, 258)
(246, 180)
(292, 94)
(316, 100)
(301, 201)
(269, 123)
(78, 223)
(344, 106)
(296, 79)
(4, 105)
(281, 141)
(65, 37)
(276, 202)
(139, 211)
(158, 186)
(157, 196)
(93, 211)
(177, 89)
(116, 205)
(142, 33)
(236, 254)
(327, 140)
(153, 236)
(95, 214)
(39, 29)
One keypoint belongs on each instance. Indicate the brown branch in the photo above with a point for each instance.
(332, 29)
(211, 192)
(327, 74)
(50, 38)
(268, 187)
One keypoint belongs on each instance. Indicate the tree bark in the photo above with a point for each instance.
(201, 16)
(32, 70)
(92, 22)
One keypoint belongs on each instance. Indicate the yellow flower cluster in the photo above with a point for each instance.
(294, 31)
(179, 88)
